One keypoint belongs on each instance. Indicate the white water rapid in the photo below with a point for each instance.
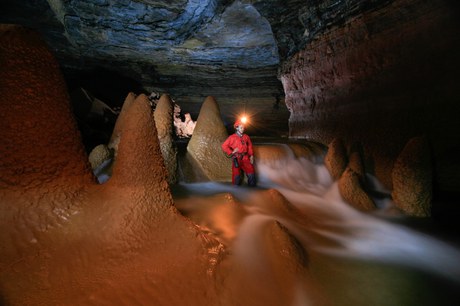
(298, 243)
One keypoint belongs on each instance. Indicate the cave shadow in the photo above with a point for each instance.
(108, 86)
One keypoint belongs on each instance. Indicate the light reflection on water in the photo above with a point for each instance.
(355, 258)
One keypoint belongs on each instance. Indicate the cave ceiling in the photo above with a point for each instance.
(190, 48)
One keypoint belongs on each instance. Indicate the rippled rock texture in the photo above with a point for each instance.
(188, 49)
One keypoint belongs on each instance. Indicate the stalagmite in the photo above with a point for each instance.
(67, 240)
(352, 192)
(355, 162)
(336, 158)
(163, 116)
(412, 178)
(205, 144)
(115, 138)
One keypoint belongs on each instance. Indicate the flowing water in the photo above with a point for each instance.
(319, 242)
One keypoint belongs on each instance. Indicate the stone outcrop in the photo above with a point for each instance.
(412, 178)
(163, 115)
(205, 145)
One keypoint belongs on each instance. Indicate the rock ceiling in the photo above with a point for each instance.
(189, 48)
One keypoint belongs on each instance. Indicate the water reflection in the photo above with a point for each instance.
(297, 243)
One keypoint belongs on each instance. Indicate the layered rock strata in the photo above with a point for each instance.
(382, 78)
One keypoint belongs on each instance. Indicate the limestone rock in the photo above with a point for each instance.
(163, 115)
(336, 158)
(205, 144)
(351, 190)
(412, 178)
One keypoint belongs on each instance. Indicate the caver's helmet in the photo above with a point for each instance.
(237, 123)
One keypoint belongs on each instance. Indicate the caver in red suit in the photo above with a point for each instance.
(238, 146)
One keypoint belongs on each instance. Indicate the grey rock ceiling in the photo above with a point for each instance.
(185, 47)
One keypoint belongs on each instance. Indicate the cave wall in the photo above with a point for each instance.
(380, 79)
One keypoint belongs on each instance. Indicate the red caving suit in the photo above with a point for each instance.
(243, 163)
